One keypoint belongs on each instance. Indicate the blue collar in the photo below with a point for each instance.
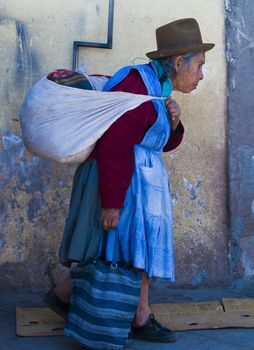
(166, 86)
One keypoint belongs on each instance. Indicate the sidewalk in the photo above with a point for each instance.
(222, 339)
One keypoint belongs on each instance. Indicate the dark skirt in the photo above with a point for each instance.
(83, 229)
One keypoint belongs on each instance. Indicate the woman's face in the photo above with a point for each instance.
(188, 74)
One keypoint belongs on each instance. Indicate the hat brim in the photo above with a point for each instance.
(180, 50)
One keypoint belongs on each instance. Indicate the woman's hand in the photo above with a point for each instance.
(109, 218)
(174, 112)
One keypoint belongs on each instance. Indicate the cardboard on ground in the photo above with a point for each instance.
(230, 313)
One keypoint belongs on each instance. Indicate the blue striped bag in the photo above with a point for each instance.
(103, 304)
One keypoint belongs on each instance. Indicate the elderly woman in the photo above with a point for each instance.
(132, 180)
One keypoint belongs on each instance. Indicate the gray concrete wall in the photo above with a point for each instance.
(240, 58)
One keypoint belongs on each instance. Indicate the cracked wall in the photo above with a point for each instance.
(35, 40)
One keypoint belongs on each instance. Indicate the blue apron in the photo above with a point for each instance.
(145, 229)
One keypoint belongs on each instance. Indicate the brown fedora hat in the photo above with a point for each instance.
(178, 38)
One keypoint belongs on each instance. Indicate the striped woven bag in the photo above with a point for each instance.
(103, 304)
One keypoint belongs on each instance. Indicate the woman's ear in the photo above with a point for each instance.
(178, 63)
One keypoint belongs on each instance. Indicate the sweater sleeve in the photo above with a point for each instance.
(114, 151)
(175, 138)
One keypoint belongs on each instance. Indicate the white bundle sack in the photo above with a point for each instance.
(63, 123)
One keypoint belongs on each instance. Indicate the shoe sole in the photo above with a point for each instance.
(154, 340)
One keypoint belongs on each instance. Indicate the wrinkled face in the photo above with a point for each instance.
(188, 74)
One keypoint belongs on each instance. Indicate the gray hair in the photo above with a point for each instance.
(168, 64)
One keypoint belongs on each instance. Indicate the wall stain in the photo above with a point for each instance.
(25, 61)
(193, 188)
(19, 66)
(199, 278)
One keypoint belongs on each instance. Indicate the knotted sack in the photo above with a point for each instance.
(62, 123)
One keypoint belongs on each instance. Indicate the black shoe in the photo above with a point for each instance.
(57, 305)
(153, 331)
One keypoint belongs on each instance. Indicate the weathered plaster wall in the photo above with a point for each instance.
(34, 40)
(240, 57)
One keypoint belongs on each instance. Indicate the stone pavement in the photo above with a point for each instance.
(222, 339)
